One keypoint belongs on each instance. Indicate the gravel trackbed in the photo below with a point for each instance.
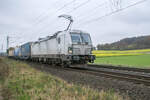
(134, 91)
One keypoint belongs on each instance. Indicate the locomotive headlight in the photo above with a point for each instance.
(70, 50)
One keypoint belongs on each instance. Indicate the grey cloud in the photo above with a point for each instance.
(20, 17)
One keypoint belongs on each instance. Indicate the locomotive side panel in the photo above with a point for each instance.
(44, 48)
(52, 46)
(64, 42)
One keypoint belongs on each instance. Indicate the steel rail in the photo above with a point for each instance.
(138, 79)
(120, 68)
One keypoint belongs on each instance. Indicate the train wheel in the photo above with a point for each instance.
(65, 64)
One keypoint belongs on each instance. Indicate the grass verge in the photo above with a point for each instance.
(21, 82)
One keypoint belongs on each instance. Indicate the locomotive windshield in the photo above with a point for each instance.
(86, 38)
(80, 38)
(76, 38)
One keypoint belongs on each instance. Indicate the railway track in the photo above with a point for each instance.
(132, 77)
(97, 80)
(114, 74)
(120, 68)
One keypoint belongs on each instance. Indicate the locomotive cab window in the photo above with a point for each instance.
(81, 38)
(86, 38)
(76, 38)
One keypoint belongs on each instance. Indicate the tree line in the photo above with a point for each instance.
(141, 42)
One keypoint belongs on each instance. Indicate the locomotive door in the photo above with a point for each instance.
(61, 44)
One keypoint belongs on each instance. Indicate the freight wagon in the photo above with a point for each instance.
(25, 51)
(17, 52)
(10, 52)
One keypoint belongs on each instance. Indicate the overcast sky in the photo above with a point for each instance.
(27, 20)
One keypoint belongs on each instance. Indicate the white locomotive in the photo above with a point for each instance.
(65, 48)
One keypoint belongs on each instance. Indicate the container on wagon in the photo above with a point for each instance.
(17, 52)
(26, 50)
(11, 52)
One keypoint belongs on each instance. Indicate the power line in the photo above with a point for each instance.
(115, 4)
(75, 7)
(82, 4)
(37, 18)
(99, 6)
(65, 5)
(111, 13)
(3, 44)
(7, 42)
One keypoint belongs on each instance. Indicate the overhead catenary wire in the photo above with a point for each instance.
(38, 17)
(82, 4)
(79, 7)
(2, 48)
(115, 4)
(74, 8)
(85, 3)
(13, 40)
(61, 8)
(55, 12)
(92, 10)
(111, 13)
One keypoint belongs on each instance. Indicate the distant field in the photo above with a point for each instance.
(132, 58)
(140, 61)
(107, 53)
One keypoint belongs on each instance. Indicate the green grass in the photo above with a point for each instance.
(140, 61)
(21, 82)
